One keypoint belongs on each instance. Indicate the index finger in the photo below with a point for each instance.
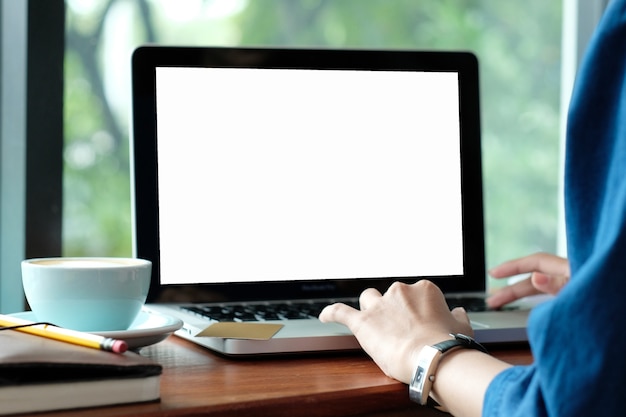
(538, 262)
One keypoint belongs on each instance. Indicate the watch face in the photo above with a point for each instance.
(416, 389)
(419, 376)
(427, 362)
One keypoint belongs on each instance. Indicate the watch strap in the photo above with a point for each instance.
(460, 340)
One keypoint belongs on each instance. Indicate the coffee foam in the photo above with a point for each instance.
(86, 262)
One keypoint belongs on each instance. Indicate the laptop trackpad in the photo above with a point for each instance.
(308, 328)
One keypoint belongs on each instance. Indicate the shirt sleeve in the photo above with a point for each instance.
(577, 341)
(516, 384)
(578, 338)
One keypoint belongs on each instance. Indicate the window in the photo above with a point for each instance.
(518, 45)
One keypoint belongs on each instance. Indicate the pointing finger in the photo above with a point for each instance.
(538, 262)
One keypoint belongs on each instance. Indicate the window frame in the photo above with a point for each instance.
(32, 48)
(32, 35)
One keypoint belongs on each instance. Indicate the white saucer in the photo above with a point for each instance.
(147, 329)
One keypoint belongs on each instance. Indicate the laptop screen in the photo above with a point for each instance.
(276, 171)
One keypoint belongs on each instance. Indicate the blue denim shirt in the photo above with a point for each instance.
(579, 338)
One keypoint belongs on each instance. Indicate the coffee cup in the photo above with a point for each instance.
(86, 294)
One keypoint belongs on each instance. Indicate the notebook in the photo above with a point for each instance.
(270, 182)
(40, 374)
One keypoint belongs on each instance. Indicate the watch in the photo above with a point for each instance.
(428, 361)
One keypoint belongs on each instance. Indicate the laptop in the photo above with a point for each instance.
(268, 183)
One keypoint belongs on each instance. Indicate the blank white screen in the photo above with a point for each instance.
(270, 175)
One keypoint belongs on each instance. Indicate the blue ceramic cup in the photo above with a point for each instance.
(86, 294)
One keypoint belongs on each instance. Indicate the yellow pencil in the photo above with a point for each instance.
(65, 335)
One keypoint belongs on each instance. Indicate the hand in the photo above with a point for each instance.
(548, 274)
(392, 328)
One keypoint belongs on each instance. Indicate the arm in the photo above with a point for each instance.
(392, 328)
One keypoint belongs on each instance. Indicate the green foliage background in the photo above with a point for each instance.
(518, 45)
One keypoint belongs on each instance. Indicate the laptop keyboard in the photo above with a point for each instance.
(296, 310)
(262, 312)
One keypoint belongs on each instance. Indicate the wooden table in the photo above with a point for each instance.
(196, 382)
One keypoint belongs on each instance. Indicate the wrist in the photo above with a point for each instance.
(429, 359)
(416, 348)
